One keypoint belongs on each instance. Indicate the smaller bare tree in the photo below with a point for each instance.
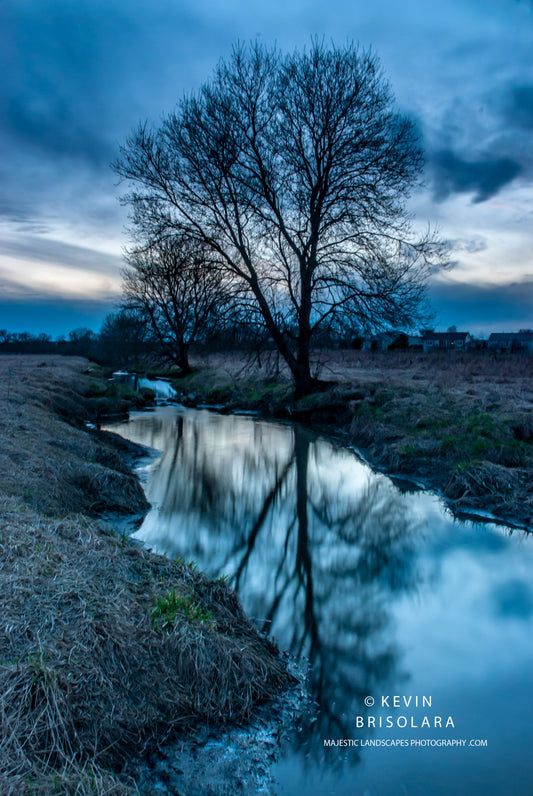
(124, 338)
(182, 291)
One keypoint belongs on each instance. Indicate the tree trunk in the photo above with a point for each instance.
(182, 359)
(303, 383)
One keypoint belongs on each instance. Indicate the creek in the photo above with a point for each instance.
(404, 613)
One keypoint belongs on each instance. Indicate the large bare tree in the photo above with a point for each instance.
(295, 170)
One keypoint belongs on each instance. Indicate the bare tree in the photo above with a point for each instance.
(124, 338)
(174, 282)
(295, 169)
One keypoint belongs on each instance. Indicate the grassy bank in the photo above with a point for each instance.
(48, 458)
(460, 423)
(106, 649)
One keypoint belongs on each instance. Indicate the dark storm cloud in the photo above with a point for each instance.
(518, 107)
(483, 306)
(54, 103)
(81, 75)
(56, 131)
(481, 141)
(484, 178)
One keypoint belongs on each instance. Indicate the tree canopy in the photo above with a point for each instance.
(294, 171)
(174, 283)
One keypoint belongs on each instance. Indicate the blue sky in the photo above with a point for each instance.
(79, 75)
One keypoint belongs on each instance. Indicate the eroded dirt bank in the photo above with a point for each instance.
(107, 650)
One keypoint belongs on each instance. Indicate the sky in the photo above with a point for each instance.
(79, 75)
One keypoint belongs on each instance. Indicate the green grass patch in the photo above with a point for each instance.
(410, 450)
(173, 606)
(370, 411)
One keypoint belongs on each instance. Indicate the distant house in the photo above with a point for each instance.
(507, 342)
(445, 341)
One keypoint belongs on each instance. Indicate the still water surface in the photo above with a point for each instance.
(381, 589)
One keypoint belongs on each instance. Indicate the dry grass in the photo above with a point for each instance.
(483, 378)
(461, 422)
(87, 678)
(53, 465)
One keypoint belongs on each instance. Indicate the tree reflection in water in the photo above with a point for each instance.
(314, 542)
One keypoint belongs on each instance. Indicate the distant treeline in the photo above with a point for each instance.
(127, 337)
(26, 343)
(122, 340)
(119, 342)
